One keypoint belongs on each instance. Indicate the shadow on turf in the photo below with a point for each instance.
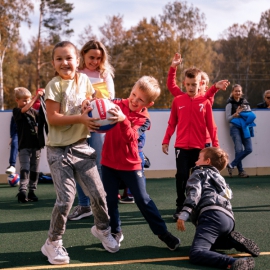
(29, 226)
(15, 205)
(94, 253)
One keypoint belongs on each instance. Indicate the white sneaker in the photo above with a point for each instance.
(106, 238)
(55, 252)
(119, 237)
(10, 170)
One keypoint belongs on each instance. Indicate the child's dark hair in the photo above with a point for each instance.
(218, 157)
(192, 72)
(105, 65)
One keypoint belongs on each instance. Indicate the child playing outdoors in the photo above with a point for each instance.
(192, 114)
(94, 62)
(204, 91)
(208, 205)
(208, 93)
(26, 119)
(125, 166)
(69, 156)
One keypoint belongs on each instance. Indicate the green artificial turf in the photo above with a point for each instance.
(23, 229)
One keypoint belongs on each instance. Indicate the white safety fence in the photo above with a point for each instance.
(257, 163)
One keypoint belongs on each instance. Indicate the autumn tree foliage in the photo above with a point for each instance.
(241, 55)
(12, 14)
(54, 20)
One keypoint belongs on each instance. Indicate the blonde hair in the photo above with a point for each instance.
(234, 86)
(218, 157)
(205, 77)
(21, 92)
(104, 66)
(150, 86)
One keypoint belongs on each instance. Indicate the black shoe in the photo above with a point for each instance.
(244, 244)
(244, 264)
(22, 197)
(127, 199)
(230, 169)
(32, 197)
(171, 241)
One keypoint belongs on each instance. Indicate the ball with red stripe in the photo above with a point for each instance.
(100, 108)
(14, 179)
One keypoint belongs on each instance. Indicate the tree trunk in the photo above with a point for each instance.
(39, 45)
(1, 85)
(2, 56)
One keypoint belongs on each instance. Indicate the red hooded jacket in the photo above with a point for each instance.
(120, 148)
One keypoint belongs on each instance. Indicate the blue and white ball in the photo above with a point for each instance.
(100, 108)
(14, 179)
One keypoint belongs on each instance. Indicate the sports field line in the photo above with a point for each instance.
(117, 262)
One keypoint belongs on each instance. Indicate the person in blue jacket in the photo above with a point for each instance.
(242, 144)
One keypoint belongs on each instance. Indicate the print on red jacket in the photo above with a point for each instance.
(191, 116)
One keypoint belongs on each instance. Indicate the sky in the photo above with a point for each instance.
(219, 14)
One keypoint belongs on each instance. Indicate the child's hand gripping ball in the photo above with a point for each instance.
(100, 108)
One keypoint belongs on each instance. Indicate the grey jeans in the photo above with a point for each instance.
(29, 161)
(76, 162)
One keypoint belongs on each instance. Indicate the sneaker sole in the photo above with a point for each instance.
(88, 214)
(44, 252)
(94, 232)
(250, 246)
(10, 172)
(176, 246)
(120, 240)
(244, 264)
(126, 202)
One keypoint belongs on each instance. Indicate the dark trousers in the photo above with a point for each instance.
(212, 232)
(134, 180)
(185, 160)
(29, 171)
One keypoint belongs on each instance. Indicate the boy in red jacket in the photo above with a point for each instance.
(121, 161)
(204, 91)
(192, 114)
